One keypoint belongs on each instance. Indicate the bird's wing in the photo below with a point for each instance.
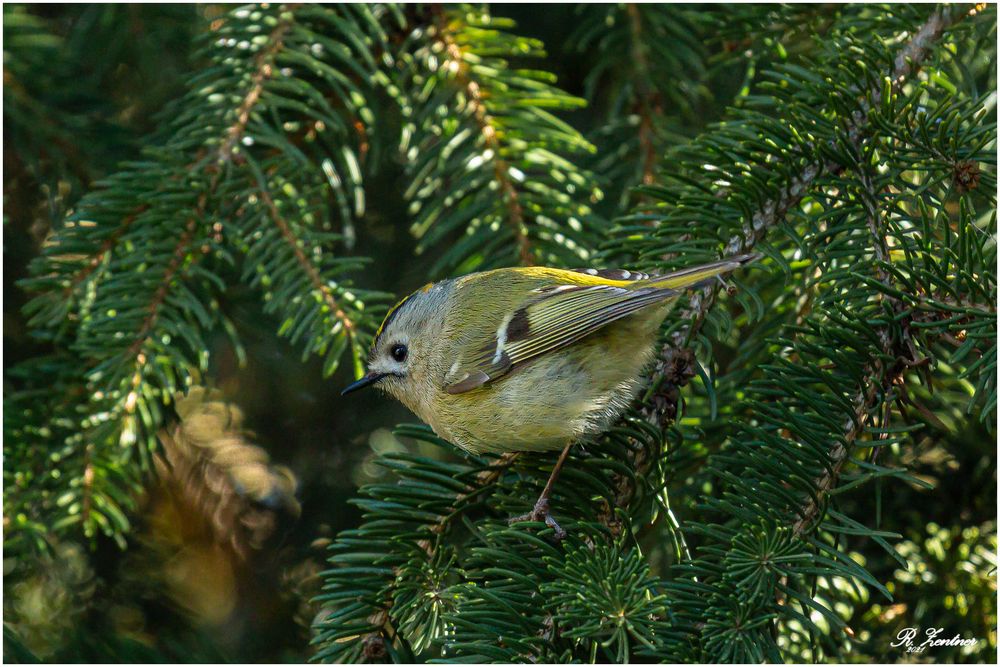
(567, 306)
(553, 317)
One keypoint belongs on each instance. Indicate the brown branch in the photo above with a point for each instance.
(773, 213)
(646, 98)
(264, 70)
(314, 277)
(484, 121)
(176, 259)
(234, 135)
(878, 380)
(106, 247)
(88, 483)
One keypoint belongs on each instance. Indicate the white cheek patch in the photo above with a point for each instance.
(387, 366)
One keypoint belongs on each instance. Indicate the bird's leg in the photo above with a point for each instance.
(541, 509)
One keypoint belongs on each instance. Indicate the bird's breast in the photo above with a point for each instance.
(559, 397)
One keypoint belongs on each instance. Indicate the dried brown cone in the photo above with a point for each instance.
(966, 176)
(676, 367)
(210, 464)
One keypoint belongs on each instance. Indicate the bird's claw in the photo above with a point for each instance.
(541, 513)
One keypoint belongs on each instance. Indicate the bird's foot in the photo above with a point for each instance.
(541, 513)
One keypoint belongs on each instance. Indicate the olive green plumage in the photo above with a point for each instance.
(525, 359)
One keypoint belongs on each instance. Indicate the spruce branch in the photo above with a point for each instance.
(177, 258)
(434, 571)
(844, 366)
(500, 171)
(645, 81)
(645, 100)
(309, 268)
(487, 128)
(180, 258)
(774, 211)
(129, 282)
(879, 377)
(263, 70)
(106, 249)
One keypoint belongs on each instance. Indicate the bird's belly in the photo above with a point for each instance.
(556, 399)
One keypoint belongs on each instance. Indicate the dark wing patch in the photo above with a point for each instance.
(519, 327)
(551, 321)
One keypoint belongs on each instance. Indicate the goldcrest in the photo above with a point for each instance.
(526, 359)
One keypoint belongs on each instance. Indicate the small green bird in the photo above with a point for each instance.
(526, 359)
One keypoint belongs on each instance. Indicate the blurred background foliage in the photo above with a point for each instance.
(223, 550)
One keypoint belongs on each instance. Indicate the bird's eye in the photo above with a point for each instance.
(398, 352)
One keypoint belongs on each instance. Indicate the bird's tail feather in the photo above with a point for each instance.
(693, 276)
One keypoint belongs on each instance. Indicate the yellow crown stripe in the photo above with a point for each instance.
(395, 309)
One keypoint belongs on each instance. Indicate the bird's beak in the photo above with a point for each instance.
(371, 378)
